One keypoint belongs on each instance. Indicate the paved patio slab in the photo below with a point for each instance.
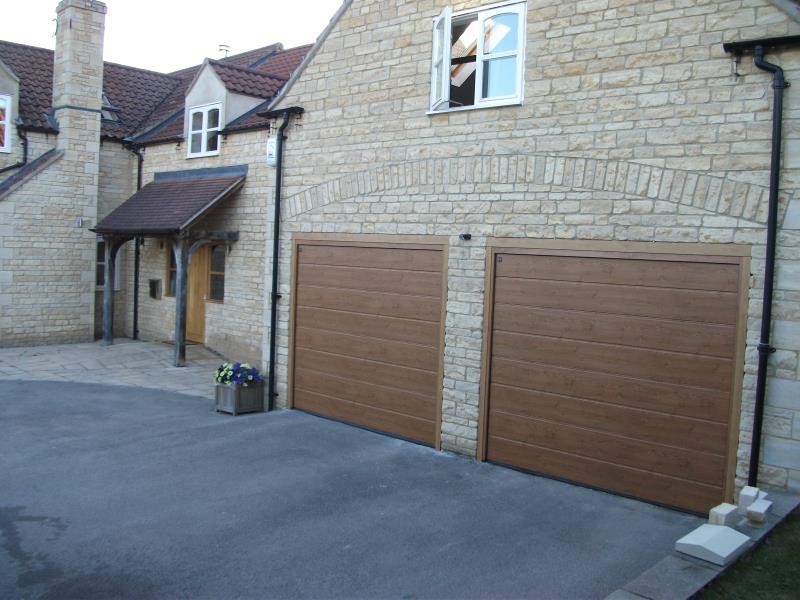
(123, 492)
(126, 362)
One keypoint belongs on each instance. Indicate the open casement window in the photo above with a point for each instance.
(204, 125)
(484, 56)
(440, 63)
(5, 123)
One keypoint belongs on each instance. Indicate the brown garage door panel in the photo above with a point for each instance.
(615, 371)
(678, 462)
(367, 335)
(640, 332)
(668, 490)
(668, 274)
(414, 380)
(378, 280)
(390, 328)
(368, 416)
(667, 303)
(421, 308)
(385, 397)
(642, 363)
(644, 425)
(371, 256)
(370, 348)
(671, 399)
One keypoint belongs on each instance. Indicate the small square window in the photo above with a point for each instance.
(478, 58)
(204, 127)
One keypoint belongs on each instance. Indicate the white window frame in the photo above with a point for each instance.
(6, 147)
(439, 98)
(204, 109)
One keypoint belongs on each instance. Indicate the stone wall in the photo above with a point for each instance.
(233, 328)
(635, 126)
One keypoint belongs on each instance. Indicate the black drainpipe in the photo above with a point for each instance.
(286, 113)
(137, 243)
(24, 161)
(779, 84)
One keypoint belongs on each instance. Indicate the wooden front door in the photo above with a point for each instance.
(196, 294)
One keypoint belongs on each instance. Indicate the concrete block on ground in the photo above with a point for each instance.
(747, 496)
(713, 543)
(757, 511)
(724, 514)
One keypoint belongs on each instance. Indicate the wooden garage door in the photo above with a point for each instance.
(616, 371)
(367, 336)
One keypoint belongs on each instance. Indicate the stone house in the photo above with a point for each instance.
(553, 258)
(80, 136)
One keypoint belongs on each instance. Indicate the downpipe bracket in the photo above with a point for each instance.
(766, 349)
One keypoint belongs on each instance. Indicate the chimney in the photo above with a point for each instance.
(78, 77)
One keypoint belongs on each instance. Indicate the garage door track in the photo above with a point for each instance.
(124, 492)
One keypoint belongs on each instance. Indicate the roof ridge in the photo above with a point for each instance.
(214, 61)
(132, 68)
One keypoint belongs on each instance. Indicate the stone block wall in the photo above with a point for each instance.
(635, 125)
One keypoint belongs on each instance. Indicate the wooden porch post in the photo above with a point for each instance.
(108, 290)
(181, 268)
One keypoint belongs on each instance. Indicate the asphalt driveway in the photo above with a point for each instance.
(123, 492)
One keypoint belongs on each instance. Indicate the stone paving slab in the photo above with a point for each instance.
(126, 362)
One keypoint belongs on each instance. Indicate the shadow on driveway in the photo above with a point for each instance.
(126, 492)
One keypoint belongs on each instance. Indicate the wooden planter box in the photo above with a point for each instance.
(236, 399)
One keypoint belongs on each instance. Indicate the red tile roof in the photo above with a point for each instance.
(149, 103)
(248, 82)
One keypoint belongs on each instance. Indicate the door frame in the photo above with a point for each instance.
(738, 254)
(407, 242)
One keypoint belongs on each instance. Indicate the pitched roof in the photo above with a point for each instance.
(173, 202)
(166, 122)
(249, 82)
(147, 102)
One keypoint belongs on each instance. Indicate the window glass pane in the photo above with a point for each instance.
(500, 77)
(172, 264)
(217, 288)
(196, 144)
(213, 141)
(2, 135)
(218, 259)
(101, 252)
(213, 118)
(197, 121)
(465, 38)
(171, 284)
(100, 275)
(500, 33)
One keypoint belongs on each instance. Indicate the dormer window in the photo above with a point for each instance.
(5, 123)
(204, 126)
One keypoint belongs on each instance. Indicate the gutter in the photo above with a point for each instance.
(286, 113)
(779, 84)
(24, 138)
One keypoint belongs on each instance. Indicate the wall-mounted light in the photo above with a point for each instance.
(465, 237)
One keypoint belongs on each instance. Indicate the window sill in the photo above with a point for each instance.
(210, 301)
(479, 107)
(203, 155)
(5, 150)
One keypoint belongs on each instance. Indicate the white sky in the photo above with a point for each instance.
(167, 35)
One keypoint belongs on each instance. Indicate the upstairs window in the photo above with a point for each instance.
(478, 58)
(108, 111)
(204, 126)
(5, 123)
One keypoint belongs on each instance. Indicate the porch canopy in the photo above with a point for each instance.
(169, 208)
